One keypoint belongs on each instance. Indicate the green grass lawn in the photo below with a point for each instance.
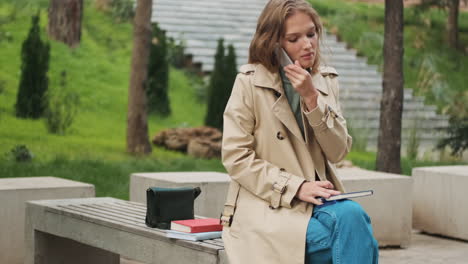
(98, 70)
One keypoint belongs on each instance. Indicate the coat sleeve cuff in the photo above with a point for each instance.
(294, 184)
(285, 189)
(316, 115)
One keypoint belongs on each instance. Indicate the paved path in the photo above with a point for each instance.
(427, 249)
(424, 249)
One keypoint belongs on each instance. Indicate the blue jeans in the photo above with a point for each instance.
(340, 233)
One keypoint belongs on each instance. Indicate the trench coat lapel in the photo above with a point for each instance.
(281, 108)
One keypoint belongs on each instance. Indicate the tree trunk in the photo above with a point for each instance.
(137, 126)
(65, 21)
(452, 23)
(391, 107)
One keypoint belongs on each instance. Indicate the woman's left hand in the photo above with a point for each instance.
(302, 83)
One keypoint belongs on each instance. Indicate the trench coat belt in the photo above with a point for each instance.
(230, 205)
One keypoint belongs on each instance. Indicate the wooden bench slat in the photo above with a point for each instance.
(134, 207)
(101, 214)
(118, 211)
(136, 227)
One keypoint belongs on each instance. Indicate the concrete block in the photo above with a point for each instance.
(214, 186)
(390, 208)
(440, 204)
(14, 192)
(100, 230)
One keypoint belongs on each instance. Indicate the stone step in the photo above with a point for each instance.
(371, 105)
(344, 58)
(208, 52)
(199, 44)
(374, 106)
(245, 33)
(327, 45)
(365, 80)
(409, 126)
(358, 73)
(355, 87)
(229, 38)
(170, 20)
(425, 138)
(346, 64)
(374, 97)
(214, 8)
(366, 114)
(240, 5)
(331, 52)
(406, 123)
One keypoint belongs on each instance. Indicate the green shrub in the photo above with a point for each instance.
(457, 132)
(34, 82)
(176, 53)
(2, 86)
(221, 82)
(158, 75)
(412, 147)
(62, 107)
(122, 10)
(21, 153)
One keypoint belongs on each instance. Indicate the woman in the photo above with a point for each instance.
(283, 130)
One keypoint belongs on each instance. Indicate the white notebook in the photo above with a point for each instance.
(347, 196)
(193, 236)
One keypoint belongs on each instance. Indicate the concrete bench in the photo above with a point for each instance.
(214, 186)
(100, 230)
(14, 192)
(389, 208)
(440, 204)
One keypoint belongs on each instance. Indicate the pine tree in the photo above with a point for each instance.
(30, 101)
(158, 74)
(222, 80)
(231, 73)
(214, 115)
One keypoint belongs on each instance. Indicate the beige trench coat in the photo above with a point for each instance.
(268, 159)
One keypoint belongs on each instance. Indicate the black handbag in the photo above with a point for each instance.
(164, 205)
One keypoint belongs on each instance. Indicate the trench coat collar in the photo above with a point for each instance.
(281, 108)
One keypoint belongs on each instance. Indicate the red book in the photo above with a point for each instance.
(197, 225)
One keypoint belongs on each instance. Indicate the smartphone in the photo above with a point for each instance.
(282, 56)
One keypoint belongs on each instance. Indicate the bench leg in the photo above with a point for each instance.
(50, 249)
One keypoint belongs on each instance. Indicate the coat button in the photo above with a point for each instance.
(282, 169)
(279, 136)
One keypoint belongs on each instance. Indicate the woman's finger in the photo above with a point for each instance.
(297, 69)
(315, 201)
(325, 184)
(295, 81)
(323, 194)
(292, 73)
(333, 192)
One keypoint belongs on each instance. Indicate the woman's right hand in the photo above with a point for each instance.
(310, 190)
